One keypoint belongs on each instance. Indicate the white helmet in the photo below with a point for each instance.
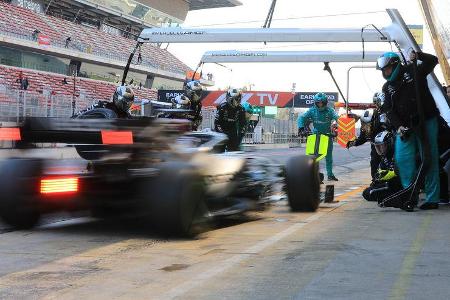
(194, 90)
(378, 99)
(384, 143)
(123, 98)
(367, 116)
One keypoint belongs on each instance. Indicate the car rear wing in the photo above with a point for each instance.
(92, 131)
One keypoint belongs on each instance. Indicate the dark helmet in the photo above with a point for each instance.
(123, 98)
(321, 97)
(378, 99)
(384, 143)
(234, 97)
(386, 60)
(193, 90)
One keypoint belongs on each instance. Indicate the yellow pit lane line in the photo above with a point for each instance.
(400, 288)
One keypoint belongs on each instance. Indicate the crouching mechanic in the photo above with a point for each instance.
(386, 181)
(230, 119)
(401, 106)
(322, 117)
(119, 108)
(191, 100)
(371, 125)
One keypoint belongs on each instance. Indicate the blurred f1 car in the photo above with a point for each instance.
(148, 167)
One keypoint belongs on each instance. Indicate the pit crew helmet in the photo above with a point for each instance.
(386, 60)
(367, 116)
(193, 90)
(384, 143)
(320, 97)
(123, 98)
(378, 99)
(234, 97)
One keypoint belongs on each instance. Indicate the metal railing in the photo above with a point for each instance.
(273, 138)
(15, 104)
(268, 125)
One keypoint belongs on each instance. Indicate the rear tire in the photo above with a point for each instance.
(18, 189)
(303, 183)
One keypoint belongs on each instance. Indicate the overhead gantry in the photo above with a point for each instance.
(397, 32)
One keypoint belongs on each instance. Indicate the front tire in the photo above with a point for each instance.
(303, 183)
(178, 198)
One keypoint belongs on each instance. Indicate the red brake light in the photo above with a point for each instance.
(10, 134)
(59, 185)
(117, 137)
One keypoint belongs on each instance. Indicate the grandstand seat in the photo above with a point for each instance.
(52, 84)
(23, 21)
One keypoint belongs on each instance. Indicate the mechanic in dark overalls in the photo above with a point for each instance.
(191, 100)
(385, 182)
(230, 119)
(371, 125)
(122, 100)
(402, 111)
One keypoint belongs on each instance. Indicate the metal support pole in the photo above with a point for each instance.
(74, 91)
(328, 69)
(48, 6)
(348, 75)
(18, 107)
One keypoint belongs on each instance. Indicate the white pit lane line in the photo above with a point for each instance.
(236, 259)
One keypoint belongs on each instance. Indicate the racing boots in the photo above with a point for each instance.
(332, 178)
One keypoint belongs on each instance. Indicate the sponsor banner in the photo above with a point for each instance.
(255, 98)
(43, 40)
(168, 95)
(346, 130)
(306, 99)
(279, 99)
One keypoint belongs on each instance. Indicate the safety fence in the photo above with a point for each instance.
(266, 125)
(273, 138)
(16, 104)
(266, 131)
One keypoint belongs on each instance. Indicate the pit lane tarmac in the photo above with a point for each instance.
(347, 250)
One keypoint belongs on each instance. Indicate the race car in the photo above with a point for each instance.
(146, 169)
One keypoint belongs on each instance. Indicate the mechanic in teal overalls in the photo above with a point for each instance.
(321, 117)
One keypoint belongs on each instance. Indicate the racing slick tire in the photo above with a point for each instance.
(94, 152)
(178, 199)
(303, 183)
(18, 189)
(98, 113)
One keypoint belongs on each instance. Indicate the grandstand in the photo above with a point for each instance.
(34, 41)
